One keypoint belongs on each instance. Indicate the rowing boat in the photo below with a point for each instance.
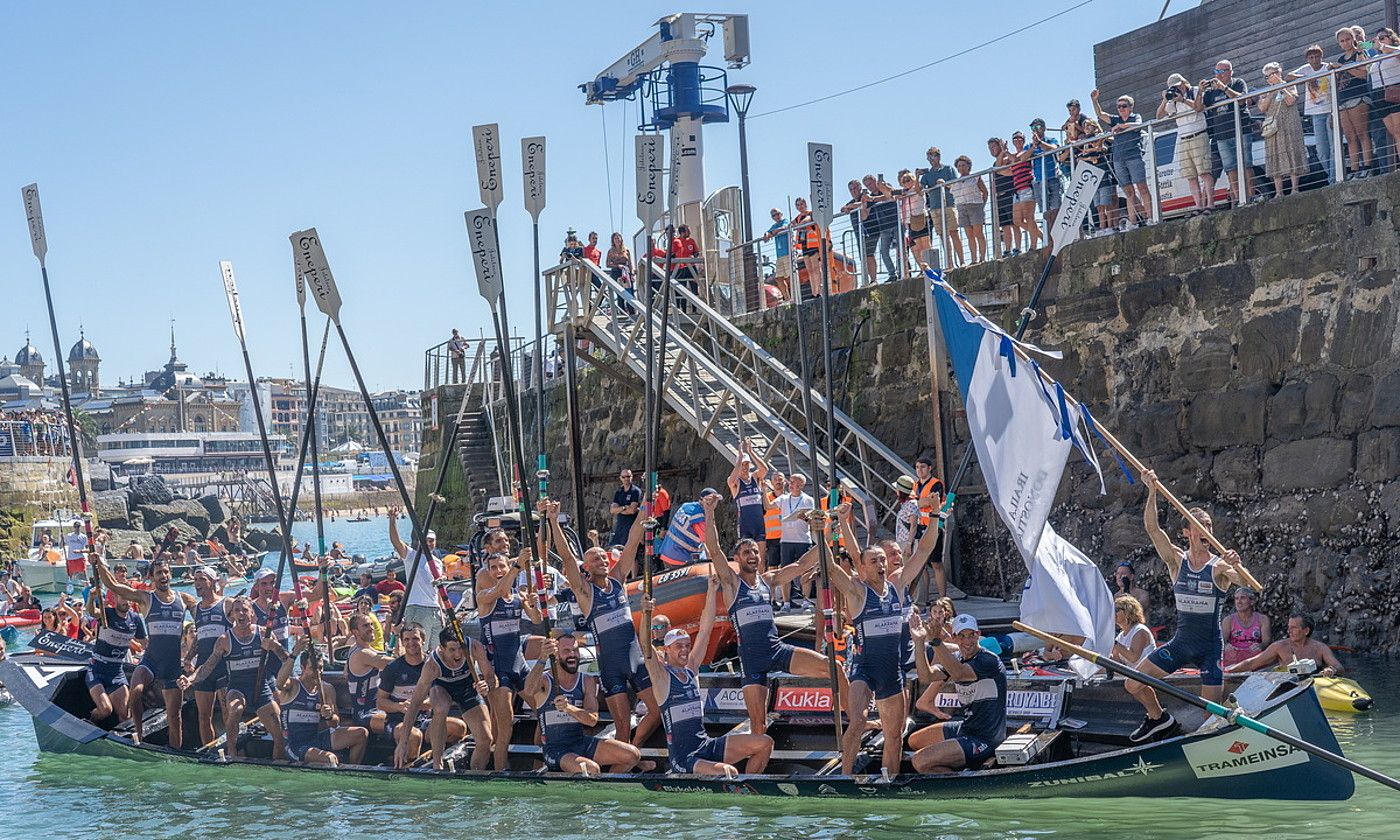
(1078, 745)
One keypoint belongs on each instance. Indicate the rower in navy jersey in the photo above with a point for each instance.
(566, 703)
(364, 666)
(211, 623)
(602, 597)
(404, 726)
(164, 612)
(310, 725)
(106, 672)
(748, 597)
(746, 487)
(501, 608)
(270, 607)
(241, 654)
(675, 672)
(1200, 583)
(875, 598)
(448, 680)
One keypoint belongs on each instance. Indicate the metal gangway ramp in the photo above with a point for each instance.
(723, 383)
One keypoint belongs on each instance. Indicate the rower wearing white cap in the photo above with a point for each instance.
(211, 623)
(980, 680)
(270, 606)
(422, 606)
(676, 678)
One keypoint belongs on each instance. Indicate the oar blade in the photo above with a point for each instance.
(301, 289)
(481, 236)
(532, 168)
(648, 177)
(235, 308)
(819, 174)
(486, 139)
(34, 214)
(312, 265)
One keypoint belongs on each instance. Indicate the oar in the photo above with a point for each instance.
(35, 216)
(1234, 716)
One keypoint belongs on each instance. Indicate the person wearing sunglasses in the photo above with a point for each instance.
(1125, 156)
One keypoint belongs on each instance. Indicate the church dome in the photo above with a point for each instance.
(28, 355)
(83, 351)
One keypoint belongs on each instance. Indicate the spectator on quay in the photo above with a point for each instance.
(1095, 153)
(1180, 101)
(626, 502)
(590, 251)
(1075, 123)
(1353, 102)
(1220, 125)
(863, 222)
(1129, 169)
(684, 247)
(620, 269)
(808, 241)
(940, 204)
(970, 200)
(1386, 86)
(913, 215)
(457, 355)
(1317, 104)
(1046, 168)
(573, 249)
(880, 197)
(781, 238)
(1023, 202)
(1284, 153)
(1005, 187)
(1375, 126)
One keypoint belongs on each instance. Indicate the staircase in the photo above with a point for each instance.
(724, 385)
(477, 449)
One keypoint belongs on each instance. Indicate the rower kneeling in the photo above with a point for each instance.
(567, 702)
(311, 730)
(981, 684)
(675, 679)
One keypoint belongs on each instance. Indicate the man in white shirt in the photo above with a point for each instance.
(422, 606)
(1192, 145)
(1317, 103)
(457, 354)
(797, 537)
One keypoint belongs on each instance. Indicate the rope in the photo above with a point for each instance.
(607, 167)
(933, 63)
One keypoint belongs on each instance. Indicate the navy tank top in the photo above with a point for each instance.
(560, 728)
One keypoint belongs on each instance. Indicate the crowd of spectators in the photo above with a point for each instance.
(33, 432)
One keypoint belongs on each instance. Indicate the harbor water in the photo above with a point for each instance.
(67, 796)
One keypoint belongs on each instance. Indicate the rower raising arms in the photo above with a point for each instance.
(239, 653)
(875, 668)
(270, 607)
(567, 702)
(164, 611)
(106, 672)
(981, 683)
(1200, 583)
(675, 673)
(404, 724)
(746, 488)
(308, 705)
(211, 623)
(447, 680)
(602, 598)
(1298, 644)
(363, 670)
(500, 608)
(748, 598)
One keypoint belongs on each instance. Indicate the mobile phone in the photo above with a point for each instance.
(1368, 45)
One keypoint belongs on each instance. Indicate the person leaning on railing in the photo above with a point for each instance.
(782, 269)
(1354, 101)
(1386, 80)
(914, 218)
(1046, 168)
(1005, 187)
(970, 195)
(885, 215)
(1095, 153)
(1023, 201)
(940, 204)
(1284, 153)
(620, 268)
(1180, 101)
(1317, 104)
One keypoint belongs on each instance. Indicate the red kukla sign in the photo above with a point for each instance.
(803, 700)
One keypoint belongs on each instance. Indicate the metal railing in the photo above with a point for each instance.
(33, 439)
(440, 367)
(723, 383)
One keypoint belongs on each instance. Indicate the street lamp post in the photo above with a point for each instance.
(740, 96)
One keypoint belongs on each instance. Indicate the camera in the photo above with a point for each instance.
(1172, 93)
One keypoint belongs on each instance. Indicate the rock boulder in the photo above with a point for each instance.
(150, 490)
(110, 509)
(191, 512)
(215, 507)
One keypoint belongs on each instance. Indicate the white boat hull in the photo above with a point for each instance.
(43, 577)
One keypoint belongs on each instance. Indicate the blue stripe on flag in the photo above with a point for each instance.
(1094, 427)
(963, 337)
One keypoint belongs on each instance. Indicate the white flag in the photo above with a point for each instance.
(1067, 594)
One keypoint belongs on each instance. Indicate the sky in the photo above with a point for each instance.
(168, 136)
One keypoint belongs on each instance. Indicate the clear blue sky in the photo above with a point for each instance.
(168, 136)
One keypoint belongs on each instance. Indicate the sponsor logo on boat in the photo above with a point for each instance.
(1019, 702)
(725, 699)
(794, 699)
(788, 788)
(1226, 755)
(1142, 768)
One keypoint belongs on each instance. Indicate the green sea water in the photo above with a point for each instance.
(52, 796)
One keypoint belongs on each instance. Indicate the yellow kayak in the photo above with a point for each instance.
(1339, 694)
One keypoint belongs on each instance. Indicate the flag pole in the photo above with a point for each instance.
(35, 216)
(1131, 459)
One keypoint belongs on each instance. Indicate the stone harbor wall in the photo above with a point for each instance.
(1250, 357)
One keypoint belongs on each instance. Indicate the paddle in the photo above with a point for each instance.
(1234, 716)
